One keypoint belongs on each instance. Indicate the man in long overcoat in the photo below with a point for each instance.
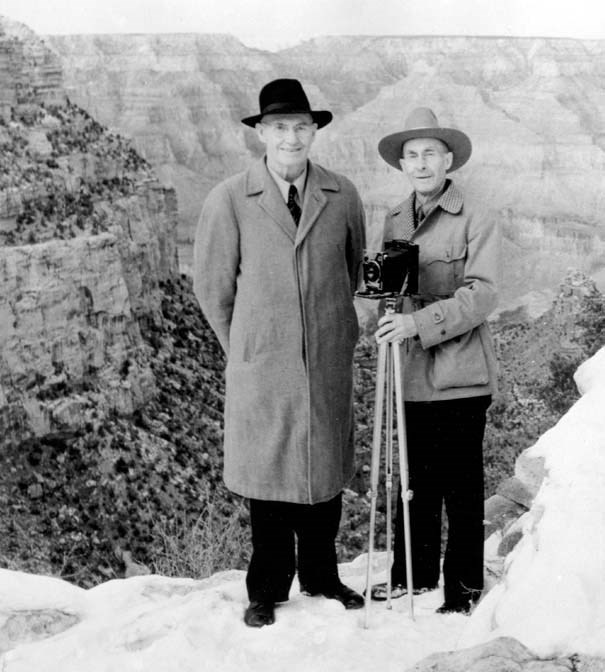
(276, 258)
(449, 362)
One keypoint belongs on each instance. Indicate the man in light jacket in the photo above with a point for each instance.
(276, 258)
(449, 364)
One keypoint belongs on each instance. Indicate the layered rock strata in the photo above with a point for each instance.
(533, 108)
(29, 71)
(87, 233)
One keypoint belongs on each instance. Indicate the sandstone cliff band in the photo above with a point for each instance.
(277, 260)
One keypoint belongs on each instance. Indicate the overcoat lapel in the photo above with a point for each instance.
(270, 199)
(318, 181)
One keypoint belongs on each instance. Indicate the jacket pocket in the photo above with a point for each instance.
(442, 272)
(460, 362)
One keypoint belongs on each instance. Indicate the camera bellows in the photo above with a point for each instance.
(392, 271)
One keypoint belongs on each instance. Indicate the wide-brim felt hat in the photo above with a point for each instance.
(422, 123)
(286, 96)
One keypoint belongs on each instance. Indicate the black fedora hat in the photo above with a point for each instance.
(286, 96)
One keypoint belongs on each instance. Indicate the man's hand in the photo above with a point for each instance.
(394, 327)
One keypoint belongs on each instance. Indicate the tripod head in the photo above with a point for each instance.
(390, 303)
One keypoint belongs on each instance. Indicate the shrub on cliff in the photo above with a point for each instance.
(559, 390)
(536, 380)
(151, 485)
(121, 482)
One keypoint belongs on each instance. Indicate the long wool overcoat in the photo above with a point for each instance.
(280, 300)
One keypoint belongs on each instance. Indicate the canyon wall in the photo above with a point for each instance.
(87, 231)
(87, 234)
(29, 71)
(111, 382)
(533, 108)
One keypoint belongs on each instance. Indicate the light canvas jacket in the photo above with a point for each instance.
(459, 270)
(279, 298)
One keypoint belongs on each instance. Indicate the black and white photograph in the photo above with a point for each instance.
(302, 336)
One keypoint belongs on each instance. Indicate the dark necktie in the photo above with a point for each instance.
(293, 206)
(420, 215)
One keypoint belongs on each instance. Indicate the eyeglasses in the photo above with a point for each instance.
(281, 129)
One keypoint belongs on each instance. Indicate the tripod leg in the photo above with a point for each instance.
(406, 493)
(389, 467)
(374, 469)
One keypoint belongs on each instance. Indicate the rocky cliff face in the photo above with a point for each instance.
(29, 71)
(86, 236)
(110, 379)
(533, 108)
(178, 97)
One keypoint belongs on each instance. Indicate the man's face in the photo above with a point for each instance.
(287, 139)
(426, 161)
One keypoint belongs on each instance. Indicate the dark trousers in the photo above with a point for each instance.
(445, 455)
(273, 563)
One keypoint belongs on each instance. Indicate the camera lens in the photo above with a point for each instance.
(371, 271)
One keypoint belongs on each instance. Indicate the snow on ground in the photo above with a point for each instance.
(153, 624)
(552, 597)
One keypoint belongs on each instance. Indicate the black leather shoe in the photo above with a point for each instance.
(258, 614)
(345, 595)
(454, 608)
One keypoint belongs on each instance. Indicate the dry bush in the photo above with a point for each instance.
(200, 547)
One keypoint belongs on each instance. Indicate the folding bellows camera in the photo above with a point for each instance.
(390, 272)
